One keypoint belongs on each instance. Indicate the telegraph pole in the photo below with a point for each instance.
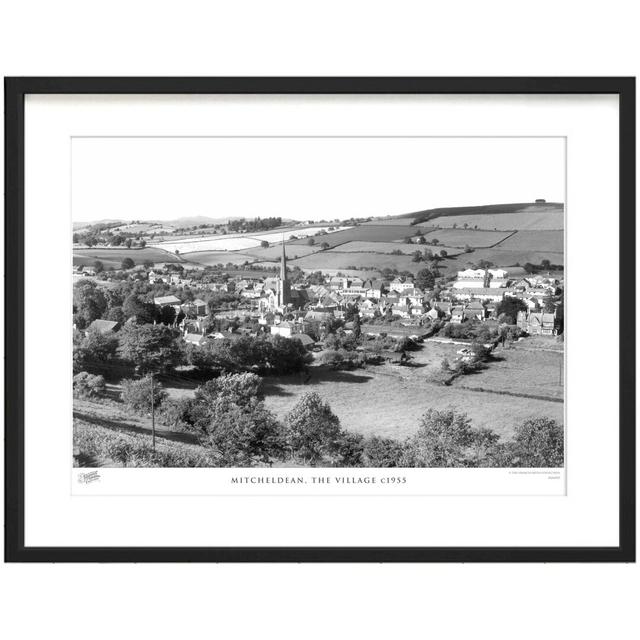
(153, 417)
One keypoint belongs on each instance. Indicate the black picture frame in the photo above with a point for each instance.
(15, 91)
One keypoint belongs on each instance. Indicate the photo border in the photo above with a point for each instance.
(15, 91)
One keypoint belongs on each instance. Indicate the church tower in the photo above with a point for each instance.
(284, 290)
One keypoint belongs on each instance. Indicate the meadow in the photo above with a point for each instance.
(238, 242)
(366, 233)
(113, 257)
(462, 237)
(526, 219)
(541, 240)
(387, 247)
(210, 258)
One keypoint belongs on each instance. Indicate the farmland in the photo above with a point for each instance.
(402, 394)
(543, 240)
(114, 257)
(507, 221)
(366, 233)
(388, 247)
(275, 251)
(502, 258)
(209, 258)
(462, 237)
(335, 260)
(237, 242)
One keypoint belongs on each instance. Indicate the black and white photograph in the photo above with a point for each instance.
(321, 301)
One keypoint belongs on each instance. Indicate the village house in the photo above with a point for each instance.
(103, 326)
(480, 293)
(168, 301)
(195, 307)
(537, 323)
(457, 315)
(481, 278)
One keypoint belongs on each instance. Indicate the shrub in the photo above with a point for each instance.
(136, 394)
(86, 385)
(382, 452)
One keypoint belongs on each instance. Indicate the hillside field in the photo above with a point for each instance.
(462, 237)
(388, 247)
(209, 258)
(114, 257)
(541, 240)
(507, 221)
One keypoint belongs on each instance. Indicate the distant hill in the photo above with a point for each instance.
(177, 223)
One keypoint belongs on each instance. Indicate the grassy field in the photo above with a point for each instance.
(114, 257)
(542, 240)
(462, 237)
(502, 258)
(238, 241)
(524, 369)
(389, 400)
(387, 247)
(208, 258)
(275, 251)
(527, 219)
(327, 260)
(365, 233)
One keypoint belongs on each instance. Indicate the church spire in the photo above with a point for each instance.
(284, 290)
(283, 262)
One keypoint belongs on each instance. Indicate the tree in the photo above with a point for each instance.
(324, 246)
(86, 385)
(89, 302)
(134, 306)
(417, 256)
(467, 248)
(136, 394)
(435, 241)
(422, 240)
(94, 351)
(148, 264)
(510, 306)
(529, 268)
(128, 243)
(312, 430)
(127, 263)
(357, 327)
(98, 267)
(229, 417)
(538, 442)
(545, 264)
(264, 244)
(150, 347)
(442, 440)
(143, 243)
(425, 279)
(310, 241)
(382, 452)
(443, 253)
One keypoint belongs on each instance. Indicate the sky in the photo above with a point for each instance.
(306, 178)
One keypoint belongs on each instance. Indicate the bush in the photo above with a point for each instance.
(86, 385)
(382, 452)
(136, 394)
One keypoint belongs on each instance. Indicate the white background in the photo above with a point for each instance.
(363, 38)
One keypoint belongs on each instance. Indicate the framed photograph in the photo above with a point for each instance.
(320, 319)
